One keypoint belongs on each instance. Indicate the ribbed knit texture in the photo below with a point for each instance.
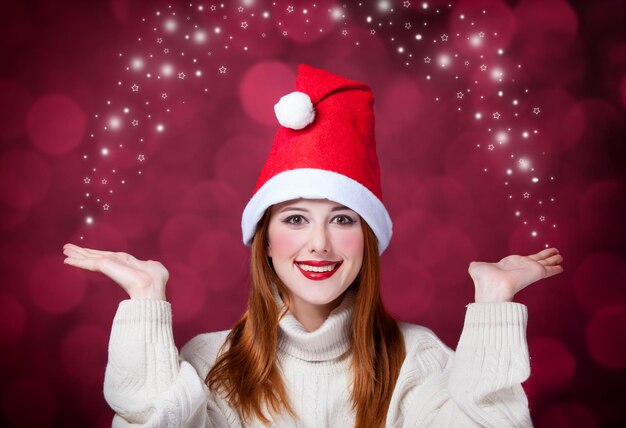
(328, 342)
(148, 384)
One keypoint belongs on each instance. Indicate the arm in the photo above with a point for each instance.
(146, 383)
(480, 384)
(490, 363)
(491, 358)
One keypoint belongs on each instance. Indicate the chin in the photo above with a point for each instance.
(319, 296)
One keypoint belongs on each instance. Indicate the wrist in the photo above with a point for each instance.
(151, 293)
(493, 293)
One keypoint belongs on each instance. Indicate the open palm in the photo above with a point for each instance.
(499, 282)
(141, 279)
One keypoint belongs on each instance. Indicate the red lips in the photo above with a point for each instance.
(318, 276)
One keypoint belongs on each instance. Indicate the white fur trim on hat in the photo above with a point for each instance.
(312, 183)
(295, 110)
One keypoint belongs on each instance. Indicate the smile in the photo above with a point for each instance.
(318, 270)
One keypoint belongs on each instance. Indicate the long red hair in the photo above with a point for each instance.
(246, 372)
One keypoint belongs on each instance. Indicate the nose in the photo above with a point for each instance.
(319, 241)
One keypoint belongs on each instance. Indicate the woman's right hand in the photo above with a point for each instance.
(141, 279)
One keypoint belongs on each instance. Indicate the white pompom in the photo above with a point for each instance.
(295, 110)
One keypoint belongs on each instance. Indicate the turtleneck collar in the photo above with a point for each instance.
(330, 341)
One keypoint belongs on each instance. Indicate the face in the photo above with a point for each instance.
(316, 248)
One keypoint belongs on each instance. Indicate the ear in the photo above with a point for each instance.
(268, 250)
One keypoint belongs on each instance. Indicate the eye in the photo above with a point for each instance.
(294, 219)
(343, 219)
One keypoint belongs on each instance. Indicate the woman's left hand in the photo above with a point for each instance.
(499, 282)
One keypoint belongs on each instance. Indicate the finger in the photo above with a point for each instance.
(74, 248)
(553, 270)
(83, 263)
(75, 251)
(94, 252)
(552, 260)
(548, 252)
(85, 251)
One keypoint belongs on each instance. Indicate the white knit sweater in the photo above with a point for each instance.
(149, 384)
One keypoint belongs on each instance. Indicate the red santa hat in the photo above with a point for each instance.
(324, 149)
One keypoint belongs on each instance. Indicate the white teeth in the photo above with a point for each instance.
(317, 268)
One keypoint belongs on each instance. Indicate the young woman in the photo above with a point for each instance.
(315, 347)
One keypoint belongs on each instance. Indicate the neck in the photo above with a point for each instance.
(309, 315)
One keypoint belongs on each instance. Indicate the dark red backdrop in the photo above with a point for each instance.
(173, 184)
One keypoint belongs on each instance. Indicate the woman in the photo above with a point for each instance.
(315, 346)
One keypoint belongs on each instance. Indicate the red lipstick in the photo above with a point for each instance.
(318, 276)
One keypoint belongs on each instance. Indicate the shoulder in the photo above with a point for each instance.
(422, 344)
(202, 351)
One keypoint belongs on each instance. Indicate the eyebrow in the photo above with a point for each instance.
(291, 208)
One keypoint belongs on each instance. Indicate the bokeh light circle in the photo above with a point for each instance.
(12, 319)
(410, 228)
(599, 280)
(552, 365)
(214, 200)
(567, 415)
(606, 337)
(400, 103)
(239, 160)
(25, 178)
(262, 86)
(55, 287)
(446, 253)
(179, 235)
(186, 291)
(83, 353)
(602, 207)
(56, 124)
(410, 298)
(222, 259)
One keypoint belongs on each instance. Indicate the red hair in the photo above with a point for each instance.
(246, 372)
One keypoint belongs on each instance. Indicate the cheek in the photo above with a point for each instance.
(351, 244)
(283, 243)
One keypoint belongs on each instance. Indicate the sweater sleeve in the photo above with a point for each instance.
(490, 364)
(146, 383)
(479, 385)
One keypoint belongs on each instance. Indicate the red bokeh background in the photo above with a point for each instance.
(61, 66)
